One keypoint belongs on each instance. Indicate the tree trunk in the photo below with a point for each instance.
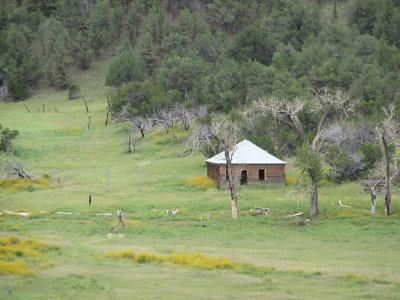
(373, 200)
(314, 199)
(232, 186)
(388, 182)
(299, 128)
(142, 132)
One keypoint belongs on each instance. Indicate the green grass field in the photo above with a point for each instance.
(344, 253)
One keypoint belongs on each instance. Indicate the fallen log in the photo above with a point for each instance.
(340, 203)
(24, 214)
(104, 214)
(295, 215)
(67, 213)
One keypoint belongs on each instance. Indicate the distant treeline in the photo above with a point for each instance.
(222, 53)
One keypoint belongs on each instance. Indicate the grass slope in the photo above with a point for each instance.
(355, 254)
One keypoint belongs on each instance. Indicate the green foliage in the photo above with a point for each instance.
(180, 73)
(265, 142)
(310, 161)
(6, 138)
(17, 87)
(226, 87)
(55, 42)
(74, 91)
(281, 48)
(255, 43)
(126, 67)
(363, 14)
(371, 154)
(135, 96)
(210, 149)
(343, 165)
(152, 33)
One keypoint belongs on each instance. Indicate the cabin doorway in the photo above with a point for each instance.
(243, 177)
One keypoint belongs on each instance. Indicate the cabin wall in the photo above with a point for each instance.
(213, 172)
(271, 174)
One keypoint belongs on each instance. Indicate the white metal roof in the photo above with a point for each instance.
(246, 152)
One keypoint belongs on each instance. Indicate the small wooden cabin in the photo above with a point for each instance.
(250, 164)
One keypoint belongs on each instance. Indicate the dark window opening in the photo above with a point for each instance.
(261, 174)
(243, 177)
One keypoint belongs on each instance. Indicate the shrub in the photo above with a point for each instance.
(200, 183)
(126, 67)
(344, 165)
(17, 87)
(74, 91)
(6, 138)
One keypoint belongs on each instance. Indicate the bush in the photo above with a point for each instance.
(200, 183)
(126, 67)
(74, 92)
(344, 165)
(17, 87)
(6, 137)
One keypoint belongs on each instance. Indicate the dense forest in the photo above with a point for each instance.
(219, 55)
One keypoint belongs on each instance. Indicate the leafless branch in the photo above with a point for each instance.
(15, 168)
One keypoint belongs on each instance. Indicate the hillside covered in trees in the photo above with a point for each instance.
(222, 54)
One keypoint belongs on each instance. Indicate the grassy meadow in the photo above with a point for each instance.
(199, 253)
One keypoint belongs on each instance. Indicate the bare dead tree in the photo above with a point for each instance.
(136, 122)
(165, 119)
(323, 106)
(15, 168)
(178, 115)
(129, 141)
(387, 132)
(376, 180)
(227, 133)
(184, 115)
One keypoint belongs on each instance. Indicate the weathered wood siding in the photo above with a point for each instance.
(274, 174)
(213, 172)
